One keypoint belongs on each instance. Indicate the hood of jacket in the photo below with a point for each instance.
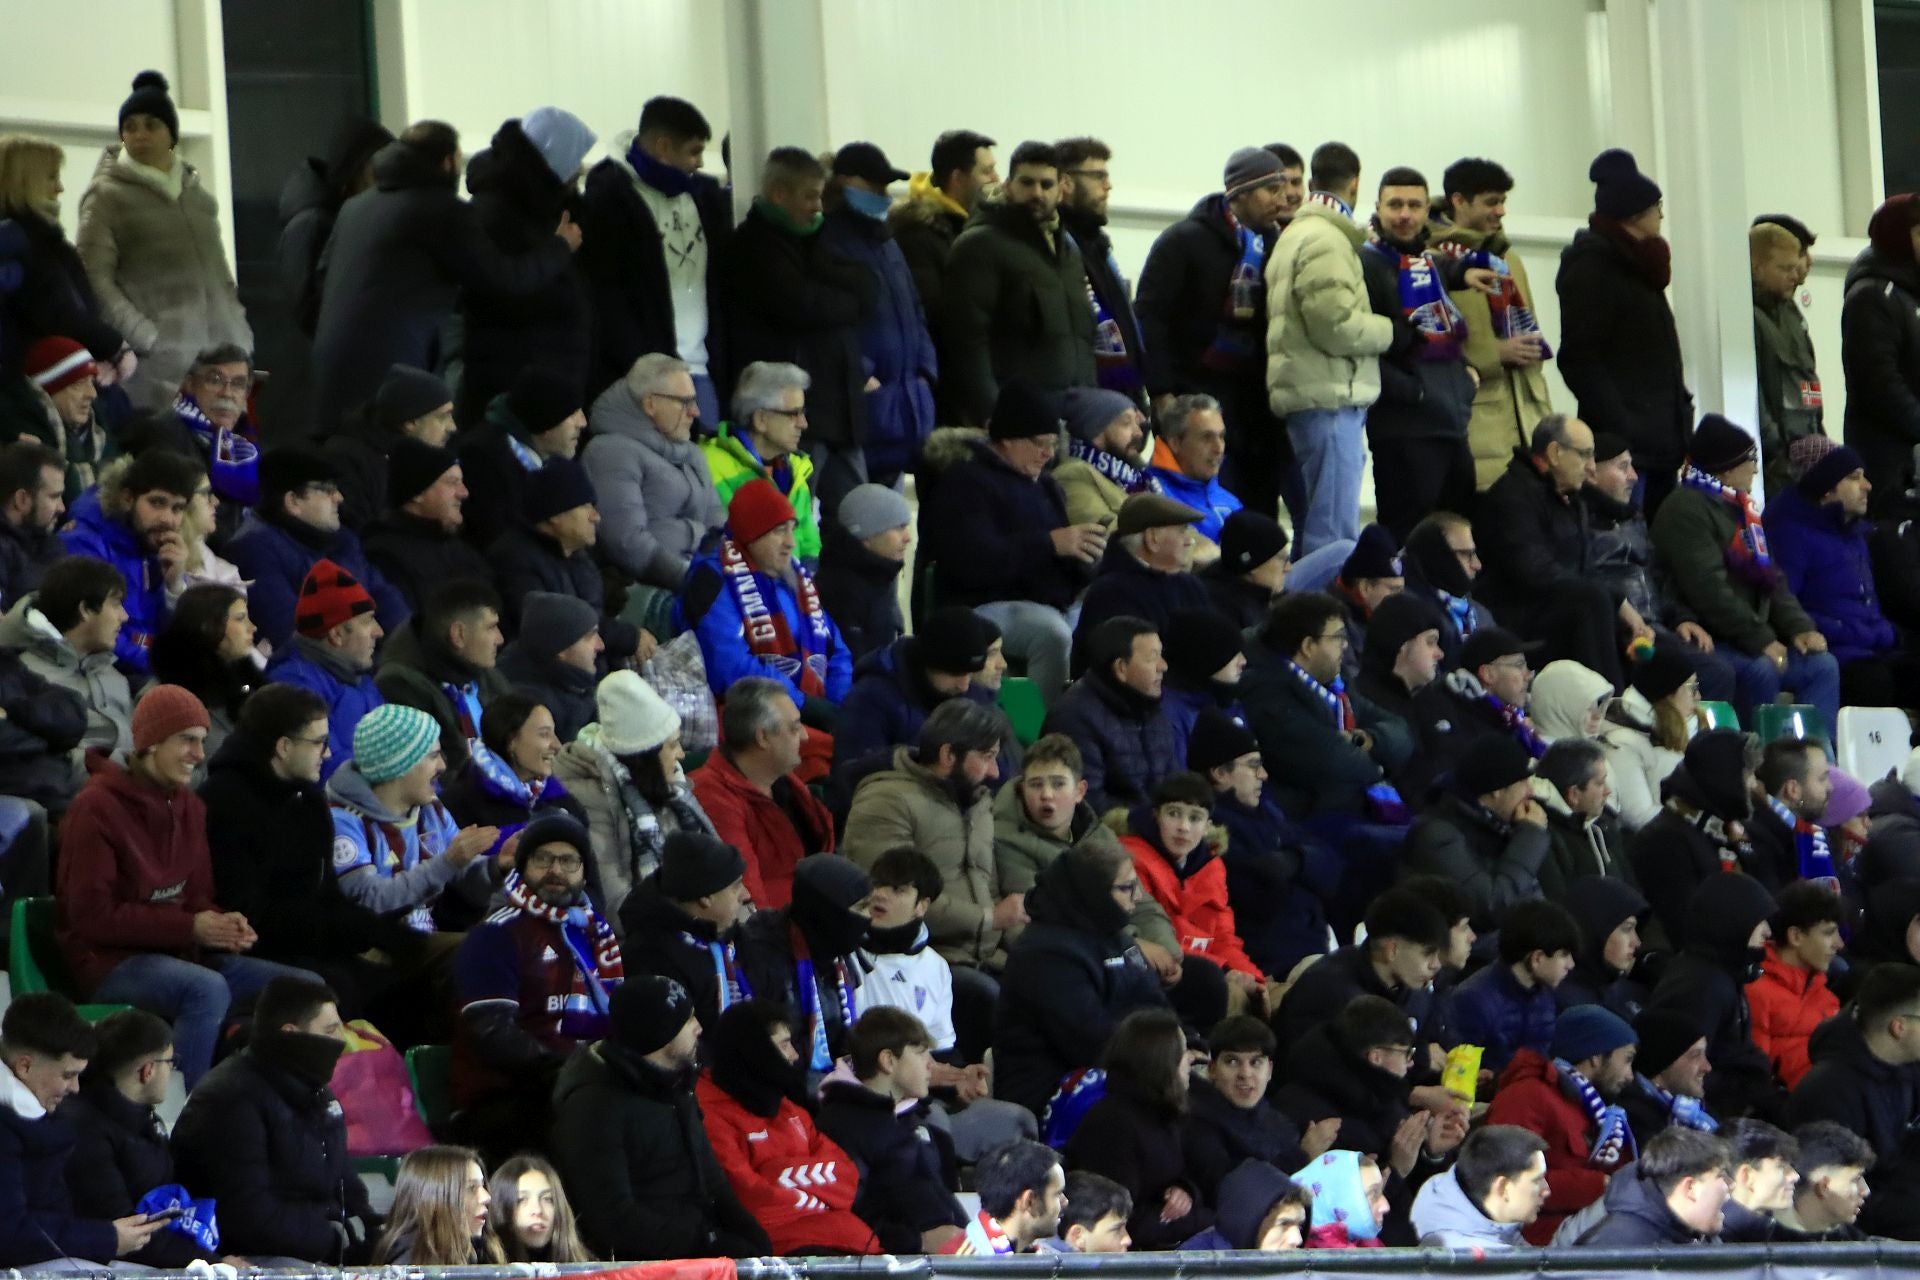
(1067, 895)
(948, 447)
(618, 413)
(398, 167)
(512, 168)
(1442, 1209)
(1712, 776)
(1873, 264)
(1598, 904)
(925, 205)
(1563, 692)
(1723, 913)
(349, 788)
(27, 629)
(1638, 1198)
(1246, 1197)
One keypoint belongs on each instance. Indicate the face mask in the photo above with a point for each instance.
(873, 204)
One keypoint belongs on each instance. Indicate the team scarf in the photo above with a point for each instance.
(1517, 724)
(1507, 306)
(731, 984)
(1114, 368)
(233, 459)
(523, 453)
(1111, 466)
(1612, 1137)
(498, 779)
(1339, 706)
(808, 991)
(595, 951)
(801, 660)
(1810, 846)
(1686, 1112)
(1235, 339)
(646, 841)
(466, 707)
(1746, 556)
(1460, 610)
(984, 1236)
(1331, 201)
(1423, 300)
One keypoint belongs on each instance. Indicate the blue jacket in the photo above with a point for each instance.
(37, 1221)
(1825, 560)
(707, 608)
(276, 563)
(1278, 879)
(894, 344)
(1125, 743)
(104, 537)
(1208, 496)
(346, 702)
(1492, 1010)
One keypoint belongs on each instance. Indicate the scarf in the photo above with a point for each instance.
(870, 204)
(807, 988)
(498, 779)
(1423, 299)
(1686, 1112)
(1114, 369)
(802, 660)
(1747, 557)
(1516, 723)
(1507, 306)
(1339, 706)
(664, 178)
(1236, 339)
(1814, 858)
(1652, 258)
(466, 707)
(1460, 611)
(1612, 1136)
(1111, 466)
(782, 219)
(524, 453)
(729, 983)
(594, 950)
(984, 1236)
(233, 459)
(1331, 201)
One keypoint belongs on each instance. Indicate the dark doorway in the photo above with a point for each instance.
(1897, 34)
(295, 74)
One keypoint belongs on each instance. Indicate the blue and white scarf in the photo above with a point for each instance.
(1688, 1113)
(808, 992)
(498, 779)
(233, 460)
(1335, 696)
(1613, 1136)
(728, 980)
(1236, 340)
(1814, 857)
(524, 454)
(1460, 610)
(1112, 466)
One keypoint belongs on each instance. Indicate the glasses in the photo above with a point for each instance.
(1393, 1051)
(1585, 455)
(220, 382)
(1512, 664)
(558, 861)
(688, 402)
(1337, 637)
(320, 741)
(801, 412)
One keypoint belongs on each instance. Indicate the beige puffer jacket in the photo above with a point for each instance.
(1323, 338)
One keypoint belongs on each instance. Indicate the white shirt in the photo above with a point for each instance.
(921, 983)
(684, 242)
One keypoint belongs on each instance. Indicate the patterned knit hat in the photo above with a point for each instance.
(163, 711)
(55, 364)
(329, 596)
(757, 509)
(391, 739)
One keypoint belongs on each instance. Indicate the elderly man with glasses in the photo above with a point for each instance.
(657, 501)
(209, 418)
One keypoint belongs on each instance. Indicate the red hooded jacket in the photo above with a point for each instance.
(134, 871)
(796, 1182)
(1529, 1095)
(760, 828)
(1787, 1003)
(1202, 918)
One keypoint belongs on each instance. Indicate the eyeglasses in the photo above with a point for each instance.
(1393, 1051)
(1337, 637)
(558, 861)
(688, 402)
(320, 741)
(801, 412)
(220, 382)
(1511, 664)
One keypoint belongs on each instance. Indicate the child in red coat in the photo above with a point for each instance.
(1790, 997)
(1178, 866)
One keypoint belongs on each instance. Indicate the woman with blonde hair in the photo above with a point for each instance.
(55, 298)
(1648, 728)
(531, 1216)
(439, 1216)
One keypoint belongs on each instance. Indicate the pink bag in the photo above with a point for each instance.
(371, 1082)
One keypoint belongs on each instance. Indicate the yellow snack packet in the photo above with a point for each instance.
(1462, 1075)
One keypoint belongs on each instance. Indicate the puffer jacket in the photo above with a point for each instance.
(860, 589)
(895, 345)
(38, 1221)
(1636, 765)
(1126, 744)
(925, 225)
(1880, 352)
(1323, 338)
(732, 462)
(1531, 1094)
(1691, 534)
(1828, 567)
(1638, 1218)
(92, 678)
(1491, 1009)
(1788, 1003)
(90, 531)
(311, 665)
(762, 827)
(986, 529)
(1279, 880)
(657, 504)
(157, 261)
(1193, 895)
(709, 609)
(276, 556)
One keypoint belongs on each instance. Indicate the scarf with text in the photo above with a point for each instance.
(1612, 1137)
(807, 989)
(595, 951)
(233, 458)
(1507, 307)
(1747, 557)
(801, 659)
(1237, 341)
(1517, 724)
(1423, 300)
(729, 982)
(1810, 847)
(1113, 366)
(1111, 466)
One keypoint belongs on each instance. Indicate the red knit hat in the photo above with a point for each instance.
(757, 509)
(55, 364)
(163, 711)
(328, 597)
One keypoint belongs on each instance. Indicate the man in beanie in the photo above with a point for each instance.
(32, 479)
(1569, 1097)
(655, 489)
(64, 633)
(1717, 555)
(558, 658)
(1206, 656)
(1100, 466)
(1253, 569)
(896, 689)
(1189, 451)
(629, 1143)
(533, 982)
(1487, 833)
(996, 534)
(539, 419)
(1819, 533)
(1371, 574)
(409, 402)
(295, 525)
(416, 542)
(1669, 1077)
(1483, 698)
(332, 653)
(761, 441)
(1147, 571)
(1202, 302)
(1876, 352)
(757, 612)
(866, 548)
(551, 550)
(681, 922)
(1113, 714)
(53, 402)
(803, 954)
(1789, 380)
(132, 521)
(1619, 350)
(1403, 656)
(1700, 829)
(137, 922)
(445, 661)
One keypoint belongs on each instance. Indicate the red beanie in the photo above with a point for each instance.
(163, 711)
(328, 597)
(756, 510)
(55, 364)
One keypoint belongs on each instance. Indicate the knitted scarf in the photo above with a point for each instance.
(807, 990)
(1331, 201)
(1747, 557)
(1339, 706)
(1112, 466)
(1612, 1135)
(728, 981)
(595, 951)
(984, 1236)
(1652, 257)
(1514, 720)
(1460, 610)
(1810, 846)
(1423, 299)
(664, 178)
(233, 459)
(1236, 341)
(801, 660)
(498, 779)
(646, 841)
(1686, 1112)
(1114, 369)
(1507, 307)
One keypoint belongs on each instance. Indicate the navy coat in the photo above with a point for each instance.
(1124, 740)
(1829, 568)
(894, 344)
(1278, 880)
(37, 1218)
(986, 529)
(275, 561)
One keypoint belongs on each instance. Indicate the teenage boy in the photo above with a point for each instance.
(1494, 1191)
(1509, 1005)
(1763, 1180)
(1095, 1219)
(1230, 1119)
(1791, 997)
(1677, 1194)
(1832, 1165)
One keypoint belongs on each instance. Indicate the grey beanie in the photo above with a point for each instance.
(550, 622)
(1250, 167)
(870, 509)
(1088, 411)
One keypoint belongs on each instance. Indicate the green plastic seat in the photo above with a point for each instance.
(1020, 699)
(1719, 715)
(387, 1167)
(430, 1068)
(1794, 720)
(34, 962)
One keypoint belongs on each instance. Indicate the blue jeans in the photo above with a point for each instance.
(1316, 570)
(1038, 635)
(193, 997)
(1331, 445)
(1813, 677)
(708, 402)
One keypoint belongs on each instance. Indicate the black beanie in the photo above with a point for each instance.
(1620, 190)
(541, 399)
(407, 393)
(953, 641)
(413, 466)
(1496, 761)
(694, 865)
(149, 98)
(1718, 445)
(1198, 642)
(1664, 671)
(1665, 1034)
(1607, 446)
(289, 468)
(647, 1012)
(1398, 619)
(1022, 411)
(552, 828)
(825, 887)
(558, 487)
(1249, 539)
(1375, 555)
(1217, 740)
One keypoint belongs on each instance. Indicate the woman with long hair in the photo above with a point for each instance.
(440, 1212)
(531, 1216)
(207, 647)
(1647, 729)
(508, 781)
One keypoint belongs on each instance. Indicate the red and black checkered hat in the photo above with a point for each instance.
(328, 597)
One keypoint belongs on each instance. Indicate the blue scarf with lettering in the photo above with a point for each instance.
(1237, 340)
(1423, 299)
(1131, 479)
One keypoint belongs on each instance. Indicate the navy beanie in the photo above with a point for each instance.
(1620, 190)
(558, 487)
(149, 98)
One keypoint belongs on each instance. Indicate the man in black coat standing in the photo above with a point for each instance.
(1086, 184)
(1879, 333)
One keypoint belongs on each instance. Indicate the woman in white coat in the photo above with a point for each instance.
(1648, 728)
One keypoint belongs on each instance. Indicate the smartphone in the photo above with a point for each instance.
(166, 1215)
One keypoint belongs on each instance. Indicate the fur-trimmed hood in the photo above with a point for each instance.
(948, 447)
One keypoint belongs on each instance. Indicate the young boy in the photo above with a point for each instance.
(1260, 1209)
(1510, 1005)
(1763, 1180)
(1791, 997)
(1832, 1163)
(1095, 1219)
(1179, 869)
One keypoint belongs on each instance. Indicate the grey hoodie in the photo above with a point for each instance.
(656, 497)
(1444, 1218)
(93, 679)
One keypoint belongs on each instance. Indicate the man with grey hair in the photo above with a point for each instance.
(750, 791)
(762, 441)
(657, 504)
(1536, 553)
(209, 419)
(1189, 449)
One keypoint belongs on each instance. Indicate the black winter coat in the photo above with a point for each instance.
(1125, 741)
(1495, 867)
(42, 724)
(417, 556)
(1182, 302)
(644, 1182)
(1220, 1135)
(1142, 1145)
(119, 1154)
(1880, 352)
(272, 1151)
(906, 1165)
(1245, 602)
(1315, 769)
(858, 590)
(661, 939)
(24, 556)
(1673, 855)
(794, 300)
(416, 674)
(54, 299)
(1638, 1218)
(358, 451)
(925, 233)
(987, 530)
(1881, 1102)
(1325, 1078)
(1533, 540)
(1330, 984)
(1419, 399)
(524, 560)
(519, 202)
(399, 256)
(38, 1220)
(1126, 586)
(566, 691)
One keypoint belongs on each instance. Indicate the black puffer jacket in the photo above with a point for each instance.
(1638, 1218)
(1880, 351)
(119, 1154)
(1852, 1087)
(906, 1164)
(1125, 741)
(1326, 1078)
(42, 724)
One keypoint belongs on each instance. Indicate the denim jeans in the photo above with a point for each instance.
(1331, 445)
(193, 997)
(708, 402)
(1316, 570)
(1813, 677)
(1038, 635)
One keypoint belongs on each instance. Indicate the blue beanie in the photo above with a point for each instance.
(1589, 1030)
(561, 137)
(391, 739)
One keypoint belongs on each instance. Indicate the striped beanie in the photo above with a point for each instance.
(391, 739)
(55, 364)
(329, 596)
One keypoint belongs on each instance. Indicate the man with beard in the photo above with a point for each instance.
(134, 525)
(332, 654)
(1101, 466)
(444, 661)
(1086, 184)
(533, 982)
(32, 478)
(681, 921)
(209, 419)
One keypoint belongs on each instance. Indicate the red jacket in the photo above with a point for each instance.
(1202, 918)
(796, 1182)
(1529, 1095)
(134, 870)
(760, 828)
(1788, 1003)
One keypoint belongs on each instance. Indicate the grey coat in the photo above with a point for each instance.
(617, 867)
(657, 502)
(93, 679)
(160, 269)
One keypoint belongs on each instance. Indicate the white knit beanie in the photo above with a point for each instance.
(633, 718)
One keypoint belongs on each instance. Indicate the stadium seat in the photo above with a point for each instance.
(34, 962)
(1020, 699)
(1719, 715)
(1873, 741)
(430, 1068)
(1789, 720)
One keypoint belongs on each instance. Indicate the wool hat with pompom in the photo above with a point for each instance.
(149, 98)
